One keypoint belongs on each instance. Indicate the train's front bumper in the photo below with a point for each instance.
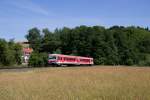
(52, 62)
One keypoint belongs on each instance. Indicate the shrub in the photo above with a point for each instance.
(38, 59)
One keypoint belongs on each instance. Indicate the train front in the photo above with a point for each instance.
(52, 59)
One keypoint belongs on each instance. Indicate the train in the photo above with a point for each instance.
(60, 59)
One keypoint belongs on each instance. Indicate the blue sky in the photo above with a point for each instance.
(18, 16)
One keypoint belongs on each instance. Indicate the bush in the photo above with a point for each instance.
(38, 59)
(10, 53)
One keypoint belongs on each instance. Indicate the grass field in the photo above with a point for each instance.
(78, 83)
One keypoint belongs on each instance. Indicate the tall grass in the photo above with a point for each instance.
(87, 83)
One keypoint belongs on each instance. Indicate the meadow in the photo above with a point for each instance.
(76, 83)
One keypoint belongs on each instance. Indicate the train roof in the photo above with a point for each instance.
(69, 56)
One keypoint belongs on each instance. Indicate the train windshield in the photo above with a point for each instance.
(52, 57)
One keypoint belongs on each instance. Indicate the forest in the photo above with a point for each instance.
(116, 45)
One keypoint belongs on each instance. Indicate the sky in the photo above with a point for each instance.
(18, 16)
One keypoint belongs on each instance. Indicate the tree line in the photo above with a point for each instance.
(10, 53)
(116, 45)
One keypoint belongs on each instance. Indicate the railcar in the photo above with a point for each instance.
(59, 59)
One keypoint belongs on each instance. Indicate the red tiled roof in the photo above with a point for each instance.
(27, 50)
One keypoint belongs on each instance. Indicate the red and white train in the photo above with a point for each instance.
(59, 59)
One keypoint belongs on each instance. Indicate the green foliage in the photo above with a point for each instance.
(5, 53)
(50, 43)
(18, 53)
(35, 38)
(145, 61)
(38, 59)
(10, 53)
(116, 45)
(58, 51)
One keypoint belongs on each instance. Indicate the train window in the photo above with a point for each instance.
(84, 60)
(65, 59)
(59, 58)
(69, 59)
(52, 57)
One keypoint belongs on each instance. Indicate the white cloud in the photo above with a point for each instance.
(28, 5)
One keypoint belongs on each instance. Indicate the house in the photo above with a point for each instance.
(26, 54)
(26, 51)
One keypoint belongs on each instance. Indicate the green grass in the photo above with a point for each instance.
(85, 83)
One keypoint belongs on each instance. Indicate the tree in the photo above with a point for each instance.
(38, 59)
(50, 43)
(4, 60)
(18, 53)
(34, 37)
(65, 39)
(98, 45)
(10, 53)
(111, 49)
